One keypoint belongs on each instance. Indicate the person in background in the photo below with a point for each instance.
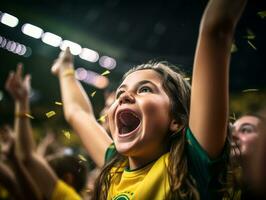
(246, 132)
(15, 180)
(50, 186)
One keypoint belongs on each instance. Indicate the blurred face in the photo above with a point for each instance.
(139, 118)
(245, 134)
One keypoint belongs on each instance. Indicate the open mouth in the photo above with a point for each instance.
(127, 121)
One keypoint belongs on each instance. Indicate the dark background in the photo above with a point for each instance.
(132, 32)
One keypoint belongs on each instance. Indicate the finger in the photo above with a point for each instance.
(9, 80)
(27, 81)
(19, 71)
(66, 55)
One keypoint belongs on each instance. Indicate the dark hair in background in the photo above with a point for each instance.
(70, 164)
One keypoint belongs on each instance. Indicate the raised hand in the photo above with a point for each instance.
(64, 61)
(17, 85)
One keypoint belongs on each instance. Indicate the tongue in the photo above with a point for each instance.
(129, 121)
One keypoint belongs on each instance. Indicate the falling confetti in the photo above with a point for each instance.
(250, 90)
(102, 119)
(50, 114)
(252, 45)
(233, 48)
(93, 94)
(262, 14)
(58, 103)
(250, 35)
(105, 73)
(29, 116)
(67, 134)
(233, 117)
(81, 157)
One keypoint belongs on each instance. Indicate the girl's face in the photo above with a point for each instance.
(245, 134)
(140, 116)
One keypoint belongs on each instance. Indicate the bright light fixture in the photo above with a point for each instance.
(89, 55)
(9, 20)
(51, 39)
(75, 48)
(31, 30)
(107, 62)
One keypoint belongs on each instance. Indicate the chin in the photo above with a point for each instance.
(125, 148)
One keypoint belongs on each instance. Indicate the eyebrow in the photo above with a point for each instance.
(138, 84)
(248, 124)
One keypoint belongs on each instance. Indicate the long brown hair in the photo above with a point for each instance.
(182, 185)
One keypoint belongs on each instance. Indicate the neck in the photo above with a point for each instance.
(137, 162)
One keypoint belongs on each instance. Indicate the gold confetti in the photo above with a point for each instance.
(250, 90)
(67, 134)
(93, 94)
(105, 73)
(250, 35)
(252, 45)
(233, 117)
(102, 119)
(29, 116)
(187, 79)
(262, 14)
(50, 114)
(234, 48)
(81, 157)
(58, 103)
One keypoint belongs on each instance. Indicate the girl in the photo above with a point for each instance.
(162, 149)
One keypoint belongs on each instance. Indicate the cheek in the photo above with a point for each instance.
(249, 141)
(110, 117)
(156, 109)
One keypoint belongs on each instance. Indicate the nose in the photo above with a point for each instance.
(126, 98)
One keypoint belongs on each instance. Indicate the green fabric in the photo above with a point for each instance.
(110, 153)
(204, 170)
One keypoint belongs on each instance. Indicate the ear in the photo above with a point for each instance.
(174, 126)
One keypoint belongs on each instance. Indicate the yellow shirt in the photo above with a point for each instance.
(63, 191)
(149, 182)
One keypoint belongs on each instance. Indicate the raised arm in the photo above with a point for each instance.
(209, 97)
(78, 110)
(25, 182)
(40, 171)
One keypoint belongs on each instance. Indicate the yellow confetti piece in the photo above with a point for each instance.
(250, 35)
(234, 48)
(58, 103)
(67, 134)
(102, 119)
(233, 117)
(105, 73)
(250, 90)
(262, 14)
(187, 79)
(81, 157)
(93, 94)
(252, 45)
(50, 114)
(29, 116)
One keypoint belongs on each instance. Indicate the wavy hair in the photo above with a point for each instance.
(182, 185)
